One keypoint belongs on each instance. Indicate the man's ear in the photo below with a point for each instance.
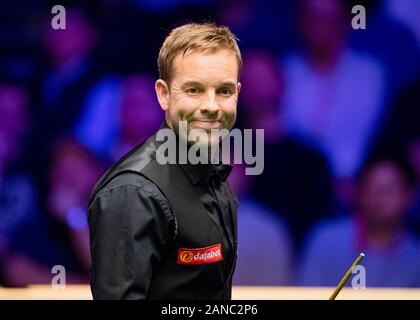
(162, 93)
(238, 87)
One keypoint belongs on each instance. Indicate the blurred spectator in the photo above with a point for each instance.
(334, 96)
(401, 129)
(59, 235)
(376, 227)
(265, 251)
(67, 75)
(120, 113)
(18, 198)
(296, 178)
(391, 35)
(17, 193)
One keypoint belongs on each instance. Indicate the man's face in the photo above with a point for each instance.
(384, 195)
(203, 91)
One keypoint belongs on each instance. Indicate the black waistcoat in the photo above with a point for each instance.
(195, 229)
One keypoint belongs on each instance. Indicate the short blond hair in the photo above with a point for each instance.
(201, 36)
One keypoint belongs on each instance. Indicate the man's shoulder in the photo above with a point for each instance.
(131, 180)
(134, 190)
(126, 170)
(130, 198)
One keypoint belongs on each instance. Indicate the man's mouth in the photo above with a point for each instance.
(206, 124)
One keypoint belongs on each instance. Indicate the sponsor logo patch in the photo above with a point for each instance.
(200, 255)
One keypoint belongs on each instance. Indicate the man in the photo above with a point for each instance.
(168, 231)
(377, 226)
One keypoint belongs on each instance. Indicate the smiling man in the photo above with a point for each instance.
(201, 87)
(168, 231)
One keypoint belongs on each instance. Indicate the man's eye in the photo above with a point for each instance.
(226, 92)
(193, 90)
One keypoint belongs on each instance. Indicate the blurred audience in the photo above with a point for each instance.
(376, 227)
(391, 35)
(263, 235)
(296, 170)
(58, 234)
(18, 197)
(401, 129)
(334, 95)
(120, 113)
(68, 73)
(82, 97)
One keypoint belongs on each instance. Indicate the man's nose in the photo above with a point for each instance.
(210, 104)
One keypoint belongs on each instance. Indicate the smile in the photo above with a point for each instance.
(207, 123)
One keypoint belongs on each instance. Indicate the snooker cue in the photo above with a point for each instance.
(346, 276)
